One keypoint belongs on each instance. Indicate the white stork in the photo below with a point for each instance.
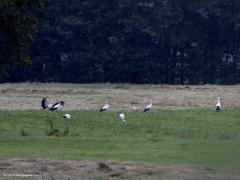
(218, 105)
(46, 105)
(104, 107)
(67, 116)
(148, 107)
(57, 106)
(122, 117)
(134, 108)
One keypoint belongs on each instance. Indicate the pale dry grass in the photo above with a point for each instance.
(41, 169)
(22, 96)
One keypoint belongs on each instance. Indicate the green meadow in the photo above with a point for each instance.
(199, 138)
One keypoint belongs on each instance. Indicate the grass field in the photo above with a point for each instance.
(200, 138)
(182, 130)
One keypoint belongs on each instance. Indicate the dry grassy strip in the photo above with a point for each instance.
(25, 96)
(87, 169)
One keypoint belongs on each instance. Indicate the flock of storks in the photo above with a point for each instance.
(59, 105)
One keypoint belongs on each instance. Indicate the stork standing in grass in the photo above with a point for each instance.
(218, 105)
(104, 107)
(122, 117)
(67, 116)
(148, 107)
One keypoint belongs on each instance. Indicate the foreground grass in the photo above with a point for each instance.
(200, 138)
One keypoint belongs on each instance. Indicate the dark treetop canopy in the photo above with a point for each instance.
(130, 41)
(17, 28)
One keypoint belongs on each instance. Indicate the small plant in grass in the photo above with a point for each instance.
(66, 132)
(52, 131)
(55, 131)
(13, 124)
(23, 132)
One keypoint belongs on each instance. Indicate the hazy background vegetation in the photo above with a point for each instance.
(147, 41)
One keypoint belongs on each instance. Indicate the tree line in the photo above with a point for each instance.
(137, 41)
(17, 29)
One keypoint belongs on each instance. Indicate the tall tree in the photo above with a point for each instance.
(18, 27)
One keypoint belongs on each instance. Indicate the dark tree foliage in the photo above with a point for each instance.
(17, 28)
(134, 41)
